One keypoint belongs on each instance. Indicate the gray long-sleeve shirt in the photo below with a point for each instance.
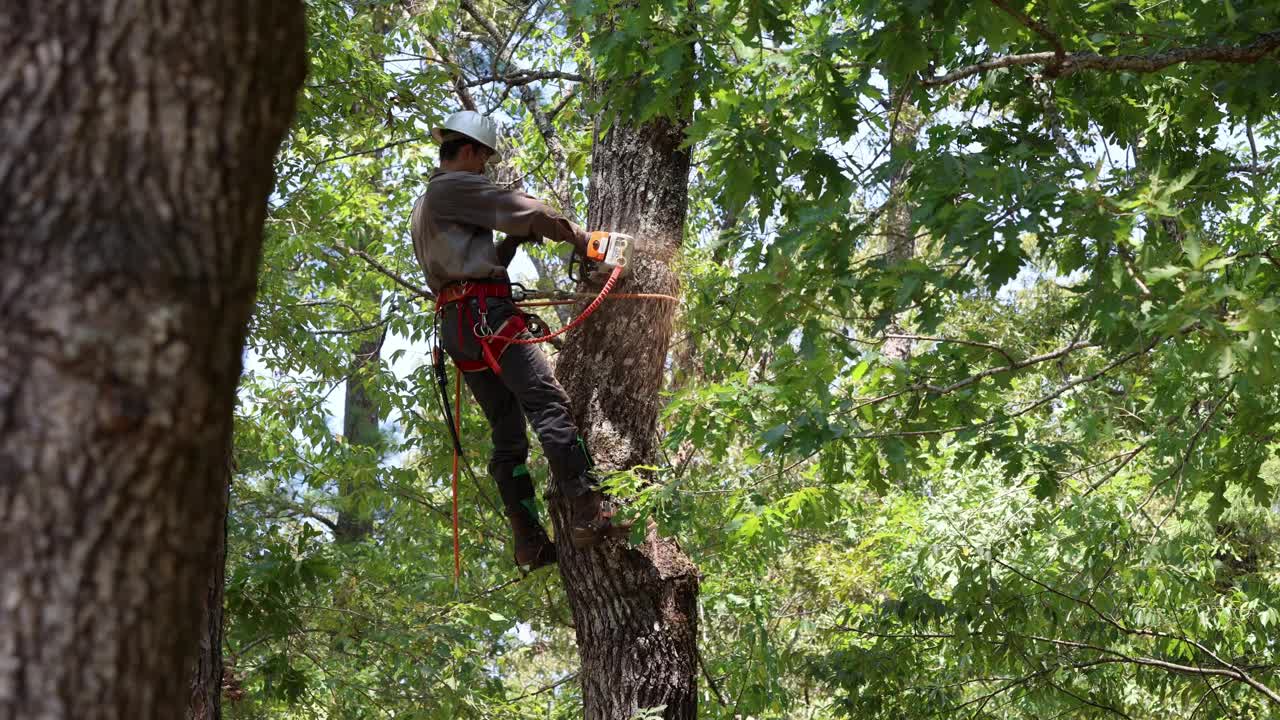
(453, 223)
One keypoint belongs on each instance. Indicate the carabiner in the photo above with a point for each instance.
(481, 326)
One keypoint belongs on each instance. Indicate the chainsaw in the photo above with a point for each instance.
(605, 252)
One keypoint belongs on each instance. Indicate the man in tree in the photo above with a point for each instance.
(452, 228)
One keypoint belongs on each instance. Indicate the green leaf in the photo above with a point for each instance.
(774, 435)
(1162, 273)
(1047, 485)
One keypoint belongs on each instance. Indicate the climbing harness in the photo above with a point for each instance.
(612, 252)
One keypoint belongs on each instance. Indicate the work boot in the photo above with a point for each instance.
(533, 548)
(591, 520)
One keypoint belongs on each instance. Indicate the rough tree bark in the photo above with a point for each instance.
(205, 700)
(136, 140)
(634, 609)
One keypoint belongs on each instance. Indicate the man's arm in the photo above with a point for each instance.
(507, 248)
(474, 199)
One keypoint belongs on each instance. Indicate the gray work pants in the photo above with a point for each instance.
(525, 390)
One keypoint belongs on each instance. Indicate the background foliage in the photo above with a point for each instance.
(1059, 503)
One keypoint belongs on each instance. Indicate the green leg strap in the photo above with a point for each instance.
(531, 506)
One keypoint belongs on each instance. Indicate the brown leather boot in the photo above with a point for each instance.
(533, 548)
(591, 520)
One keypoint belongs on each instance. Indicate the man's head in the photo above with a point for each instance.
(459, 152)
(468, 140)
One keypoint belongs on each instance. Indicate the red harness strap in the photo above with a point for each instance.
(495, 343)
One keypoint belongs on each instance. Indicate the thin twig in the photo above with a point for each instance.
(354, 330)
(373, 262)
(455, 77)
(1253, 144)
(710, 680)
(957, 341)
(1186, 457)
(1227, 669)
(1128, 458)
(1060, 352)
(369, 151)
(548, 688)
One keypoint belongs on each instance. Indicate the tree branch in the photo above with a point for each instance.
(285, 504)
(1035, 25)
(369, 151)
(555, 111)
(547, 688)
(1060, 352)
(1062, 66)
(419, 291)
(1186, 457)
(455, 77)
(519, 34)
(1234, 674)
(995, 421)
(1250, 168)
(711, 681)
(957, 341)
(1111, 656)
(354, 330)
(1227, 669)
(1126, 458)
(524, 77)
(1087, 701)
(485, 22)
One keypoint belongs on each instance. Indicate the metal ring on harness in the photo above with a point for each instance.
(535, 325)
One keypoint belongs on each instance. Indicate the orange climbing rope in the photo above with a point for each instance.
(586, 313)
(575, 297)
(457, 430)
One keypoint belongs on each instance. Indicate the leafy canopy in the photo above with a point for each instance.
(1059, 503)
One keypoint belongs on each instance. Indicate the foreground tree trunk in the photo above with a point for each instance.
(205, 700)
(634, 609)
(136, 141)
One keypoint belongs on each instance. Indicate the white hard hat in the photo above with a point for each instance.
(472, 124)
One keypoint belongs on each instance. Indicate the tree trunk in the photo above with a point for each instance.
(634, 609)
(899, 233)
(359, 411)
(205, 701)
(136, 143)
(360, 427)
